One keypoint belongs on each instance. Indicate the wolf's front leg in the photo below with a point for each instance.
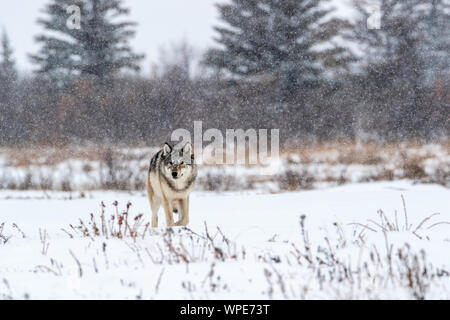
(184, 214)
(168, 212)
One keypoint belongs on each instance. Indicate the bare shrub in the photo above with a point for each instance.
(219, 182)
(412, 167)
(385, 175)
(22, 234)
(441, 175)
(43, 236)
(291, 180)
(3, 238)
(364, 156)
(45, 181)
(66, 184)
(403, 268)
(27, 182)
(388, 225)
(119, 225)
(415, 271)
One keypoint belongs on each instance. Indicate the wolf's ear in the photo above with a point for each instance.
(166, 149)
(187, 149)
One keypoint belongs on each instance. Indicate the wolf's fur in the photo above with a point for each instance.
(170, 180)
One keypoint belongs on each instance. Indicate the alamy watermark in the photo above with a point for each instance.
(74, 20)
(242, 147)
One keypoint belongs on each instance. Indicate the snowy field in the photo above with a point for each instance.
(238, 245)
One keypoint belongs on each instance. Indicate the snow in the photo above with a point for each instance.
(261, 230)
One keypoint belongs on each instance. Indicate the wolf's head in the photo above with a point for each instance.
(178, 161)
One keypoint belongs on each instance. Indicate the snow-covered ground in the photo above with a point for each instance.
(238, 246)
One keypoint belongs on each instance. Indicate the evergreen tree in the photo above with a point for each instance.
(8, 83)
(8, 73)
(396, 66)
(395, 49)
(436, 50)
(280, 38)
(436, 54)
(99, 48)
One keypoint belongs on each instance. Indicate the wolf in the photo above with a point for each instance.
(171, 177)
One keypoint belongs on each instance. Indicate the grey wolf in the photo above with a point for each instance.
(171, 177)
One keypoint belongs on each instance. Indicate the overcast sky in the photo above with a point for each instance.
(160, 23)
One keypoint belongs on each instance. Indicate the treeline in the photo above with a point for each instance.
(277, 64)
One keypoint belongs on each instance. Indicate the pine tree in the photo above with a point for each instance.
(436, 54)
(99, 48)
(8, 73)
(436, 50)
(399, 58)
(395, 49)
(8, 83)
(279, 38)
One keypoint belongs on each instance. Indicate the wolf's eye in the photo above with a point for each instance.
(182, 162)
(171, 163)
